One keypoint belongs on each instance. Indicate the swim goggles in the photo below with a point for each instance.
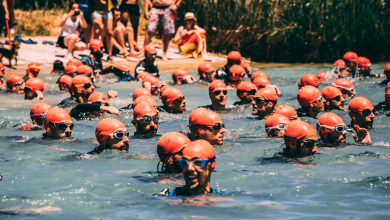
(199, 163)
(295, 117)
(217, 126)
(147, 119)
(151, 54)
(319, 98)
(218, 92)
(252, 91)
(64, 84)
(19, 83)
(306, 143)
(37, 115)
(338, 128)
(351, 90)
(180, 98)
(280, 126)
(86, 85)
(62, 126)
(365, 112)
(120, 134)
(259, 100)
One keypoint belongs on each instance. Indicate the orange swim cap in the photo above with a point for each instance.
(237, 72)
(141, 92)
(13, 79)
(204, 67)
(144, 99)
(170, 143)
(329, 119)
(35, 84)
(178, 73)
(163, 88)
(246, 86)
(97, 97)
(274, 120)
(343, 84)
(339, 64)
(350, 56)
(95, 44)
(307, 95)
(105, 127)
(261, 82)
(142, 75)
(387, 98)
(65, 79)
(258, 74)
(142, 108)
(330, 92)
(321, 76)
(388, 86)
(201, 149)
(80, 80)
(170, 95)
(39, 108)
(56, 115)
(151, 79)
(286, 110)
(363, 62)
(297, 130)
(267, 94)
(71, 68)
(358, 104)
(234, 57)
(150, 49)
(387, 67)
(84, 70)
(202, 116)
(34, 68)
(123, 67)
(74, 61)
(309, 79)
(217, 85)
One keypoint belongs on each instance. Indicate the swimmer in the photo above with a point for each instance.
(333, 130)
(206, 72)
(148, 64)
(152, 84)
(173, 101)
(308, 79)
(207, 125)
(361, 112)
(218, 95)
(145, 119)
(111, 134)
(311, 102)
(339, 69)
(223, 73)
(64, 83)
(346, 87)
(350, 62)
(321, 76)
(34, 88)
(180, 76)
(300, 139)
(169, 149)
(121, 70)
(74, 61)
(38, 112)
(383, 108)
(276, 124)
(58, 124)
(94, 59)
(258, 74)
(86, 71)
(197, 163)
(96, 106)
(32, 71)
(264, 102)
(58, 67)
(15, 84)
(236, 76)
(287, 111)
(333, 98)
(245, 92)
(81, 89)
(140, 92)
(386, 73)
(365, 67)
(70, 70)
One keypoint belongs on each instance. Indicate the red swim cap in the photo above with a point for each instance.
(202, 116)
(74, 61)
(13, 79)
(34, 68)
(151, 79)
(274, 120)
(141, 92)
(340, 64)
(387, 98)
(237, 72)
(285, 110)
(144, 99)
(80, 80)
(95, 44)
(363, 62)
(56, 115)
(246, 86)
(84, 70)
(261, 82)
(142, 108)
(388, 86)
(329, 119)
(39, 108)
(358, 104)
(200, 149)
(35, 84)
(234, 57)
(178, 73)
(387, 67)
(321, 76)
(307, 95)
(97, 97)
(204, 67)
(65, 79)
(343, 84)
(163, 88)
(170, 95)
(267, 94)
(297, 130)
(150, 49)
(258, 74)
(169, 143)
(309, 79)
(123, 67)
(105, 127)
(350, 56)
(330, 92)
(71, 68)
(217, 85)
(142, 75)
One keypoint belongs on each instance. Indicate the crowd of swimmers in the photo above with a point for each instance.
(193, 154)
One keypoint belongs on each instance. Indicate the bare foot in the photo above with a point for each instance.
(164, 57)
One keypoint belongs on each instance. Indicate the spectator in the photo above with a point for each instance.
(191, 38)
(69, 36)
(131, 8)
(3, 14)
(85, 8)
(161, 10)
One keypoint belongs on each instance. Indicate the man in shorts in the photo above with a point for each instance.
(162, 10)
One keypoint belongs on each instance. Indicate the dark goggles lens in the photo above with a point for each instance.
(259, 100)
(27, 89)
(366, 112)
(151, 54)
(339, 128)
(63, 126)
(309, 143)
(101, 48)
(180, 98)
(218, 126)
(337, 98)
(87, 85)
(101, 104)
(218, 92)
(89, 74)
(147, 119)
(210, 72)
(1, 77)
(64, 84)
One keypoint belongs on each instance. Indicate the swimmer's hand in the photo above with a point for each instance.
(112, 94)
(110, 109)
(277, 90)
(39, 95)
(362, 135)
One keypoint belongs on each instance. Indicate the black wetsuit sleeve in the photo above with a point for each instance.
(68, 102)
(107, 70)
(127, 107)
(87, 107)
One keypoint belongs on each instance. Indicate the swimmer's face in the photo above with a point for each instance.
(262, 109)
(337, 103)
(245, 97)
(19, 88)
(30, 95)
(365, 121)
(218, 97)
(366, 70)
(155, 90)
(150, 57)
(119, 144)
(143, 128)
(276, 133)
(334, 137)
(38, 120)
(57, 133)
(213, 135)
(209, 76)
(179, 105)
(318, 105)
(301, 149)
(195, 177)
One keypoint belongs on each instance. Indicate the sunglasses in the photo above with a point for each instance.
(218, 92)
(151, 54)
(366, 112)
(1, 77)
(120, 134)
(148, 119)
(215, 126)
(259, 86)
(180, 98)
(280, 126)
(242, 75)
(37, 115)
(351, 90)
(101, 104)
(251, 92)
(199, 163)
(88, 74)
(63, 126)
(308, 143)
(86, 85)
(337, 128)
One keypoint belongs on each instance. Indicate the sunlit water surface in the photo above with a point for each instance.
(348, 182)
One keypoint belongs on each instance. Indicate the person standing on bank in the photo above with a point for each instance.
(130, 8)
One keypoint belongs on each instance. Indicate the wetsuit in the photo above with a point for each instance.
(95, 151)
(124, 77)
(384, 82)
(179, 191)
(382, 109)
(68, 102)
(161, 108)
(79, 111)
(26, 77)
(95, 64)
(301, 113)
(143, 66)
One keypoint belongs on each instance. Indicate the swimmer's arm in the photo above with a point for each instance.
(87, 107)
(178, 36)
(107, 70)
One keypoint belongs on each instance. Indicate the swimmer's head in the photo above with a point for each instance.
(258, 74)
(74, 61)
(141, 92)
(346, 87)
(86, 71)
(218, 94)
(33, 69)
(97, 48)
(169, 150)
(141, 99)
(124, 67)
(331, 128)
(350, 58)
(98, 98)
(32, 87)
(65, 82)
(365, 65)
(261, 82)
(38, 112)
(234, 57)
(15, 84)
(321, 76)
(287, 111)
(361, 111)
(173, 100)
(275, 125)
(264, 102)
(308, 79)
(152, 84)
(300, 139)
(58, 123)
(70, 70)
(386, 70)
(206, 72)
(207, 125)
(310, 96)
(333, 98)
(245, 92)
(112, 134)
(177, 76)
(339, 64)
(145, 119)
(150, 53)
(81, 86)
(237, 73)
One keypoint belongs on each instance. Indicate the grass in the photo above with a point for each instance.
(38, 22)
